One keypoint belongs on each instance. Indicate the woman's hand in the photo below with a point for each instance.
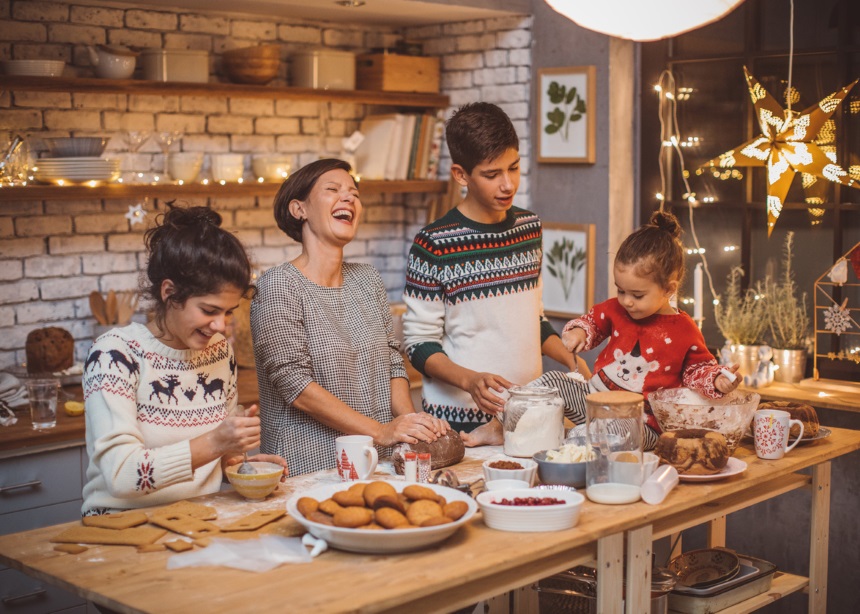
(487, 390)
(574, 340)
(726, 385)
(238, 433)
(412, 428)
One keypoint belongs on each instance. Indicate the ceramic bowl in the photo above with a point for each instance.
(526, 473)
(227, 167)
(699, 568)
(554, 472)
(257, 485)
(681, 408)
(34, 68)
(506, 484)
(184, 166)
(274, 167)
(530, 518)
(76, 146)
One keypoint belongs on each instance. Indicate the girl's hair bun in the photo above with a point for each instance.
(666, 221)
(190, 216)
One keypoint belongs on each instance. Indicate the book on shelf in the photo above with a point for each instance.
(399, 146)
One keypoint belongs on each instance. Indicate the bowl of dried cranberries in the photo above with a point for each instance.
(530, 510)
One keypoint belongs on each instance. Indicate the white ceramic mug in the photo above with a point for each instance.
(770, 429)
(356, 457)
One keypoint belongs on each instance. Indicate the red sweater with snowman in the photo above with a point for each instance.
(660, 351)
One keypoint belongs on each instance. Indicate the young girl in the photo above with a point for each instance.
(651, 344)
(161, 397)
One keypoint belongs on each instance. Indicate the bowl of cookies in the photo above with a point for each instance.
(380, 516)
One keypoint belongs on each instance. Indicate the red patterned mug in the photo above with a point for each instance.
(770, 429)
(356, 457)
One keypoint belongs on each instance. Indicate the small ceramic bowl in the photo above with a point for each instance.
(526, 473)
(530, 518)
(506, 484)
(699, 568)
(257, 485)
(566, 474)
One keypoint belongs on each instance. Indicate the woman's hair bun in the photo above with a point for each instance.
(666, 221)
(190, 216)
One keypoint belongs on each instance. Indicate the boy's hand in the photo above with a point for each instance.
(574, 340)
(486, 389)
(725, 384)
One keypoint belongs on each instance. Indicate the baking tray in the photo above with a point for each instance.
(754, 579)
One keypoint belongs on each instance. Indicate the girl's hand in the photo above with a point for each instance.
(487, 390)
(726, 385)
(574, 340)
(412, 428)
(239, 432)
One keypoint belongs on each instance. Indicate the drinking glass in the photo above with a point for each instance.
(134, 140)
(165, 139)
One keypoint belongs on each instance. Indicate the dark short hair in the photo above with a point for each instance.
(655, 250)
(479, 131)
(189, 247)
(298, 186)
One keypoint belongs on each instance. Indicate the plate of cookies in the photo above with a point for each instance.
(380, 516)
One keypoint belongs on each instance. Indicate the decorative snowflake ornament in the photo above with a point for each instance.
(837, 319)
(135, 214)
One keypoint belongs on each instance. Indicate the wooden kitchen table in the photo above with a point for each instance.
(476, 563)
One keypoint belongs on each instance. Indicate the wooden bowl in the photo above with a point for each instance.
(269, 52)
(251, 70)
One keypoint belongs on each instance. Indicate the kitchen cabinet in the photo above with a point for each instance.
(218, 90)
(38, 489)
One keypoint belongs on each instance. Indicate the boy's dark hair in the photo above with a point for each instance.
(479, 131)
(298, 186)
(189, 247)
(655, 250)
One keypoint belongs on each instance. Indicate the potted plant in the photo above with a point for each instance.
(787, 320)
(740, 316)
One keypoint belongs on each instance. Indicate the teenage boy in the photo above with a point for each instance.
(474, 324)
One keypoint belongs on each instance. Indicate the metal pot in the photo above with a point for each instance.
(575, 591)
(790, 365)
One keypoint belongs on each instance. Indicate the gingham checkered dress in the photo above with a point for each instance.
(341, 338)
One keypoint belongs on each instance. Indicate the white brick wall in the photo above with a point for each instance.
(53, 254)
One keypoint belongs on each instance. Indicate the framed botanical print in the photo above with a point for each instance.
(567, 271)
(566, 99)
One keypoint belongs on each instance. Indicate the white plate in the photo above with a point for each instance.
(735, 466)
(362, 540)
(530, 519)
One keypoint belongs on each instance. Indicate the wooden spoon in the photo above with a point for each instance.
(97, 307)
(126, 306)
(111, 307)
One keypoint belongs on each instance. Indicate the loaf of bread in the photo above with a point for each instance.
(49, 350)
(798, 411)
(693, 451)
(444, 452)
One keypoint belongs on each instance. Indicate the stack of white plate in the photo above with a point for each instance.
(34, 68)
(65, 171)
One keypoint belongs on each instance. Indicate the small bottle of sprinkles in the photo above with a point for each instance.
(410, 466)
(424, 467)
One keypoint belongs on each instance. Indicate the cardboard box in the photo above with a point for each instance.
(397, 73)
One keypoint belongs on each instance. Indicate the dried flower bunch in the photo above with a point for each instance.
(741, 315)
(786, 312)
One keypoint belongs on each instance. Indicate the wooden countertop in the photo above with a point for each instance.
(826, 394)
(475, 563)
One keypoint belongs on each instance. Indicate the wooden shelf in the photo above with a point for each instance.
(220, 90)
(213, 190)
(783, 584)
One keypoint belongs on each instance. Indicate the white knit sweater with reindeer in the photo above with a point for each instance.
(144, 403)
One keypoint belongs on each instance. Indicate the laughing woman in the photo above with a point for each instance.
(327, 361)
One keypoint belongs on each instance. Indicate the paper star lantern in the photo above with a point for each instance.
(135, 214)
(786, 146)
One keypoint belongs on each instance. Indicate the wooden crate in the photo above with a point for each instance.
(397, 73)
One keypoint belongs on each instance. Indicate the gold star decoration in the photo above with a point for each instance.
(786, 146)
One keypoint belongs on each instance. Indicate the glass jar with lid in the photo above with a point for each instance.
(533, 420)
(614, 421)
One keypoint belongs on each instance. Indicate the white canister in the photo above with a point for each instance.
(324, 69)
(185, 65)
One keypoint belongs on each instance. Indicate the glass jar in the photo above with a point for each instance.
(614, 422)
(533, 420)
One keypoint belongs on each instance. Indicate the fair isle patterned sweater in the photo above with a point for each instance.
(473, 291)
(144, 403)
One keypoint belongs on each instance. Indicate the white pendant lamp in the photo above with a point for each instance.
(643, 20)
